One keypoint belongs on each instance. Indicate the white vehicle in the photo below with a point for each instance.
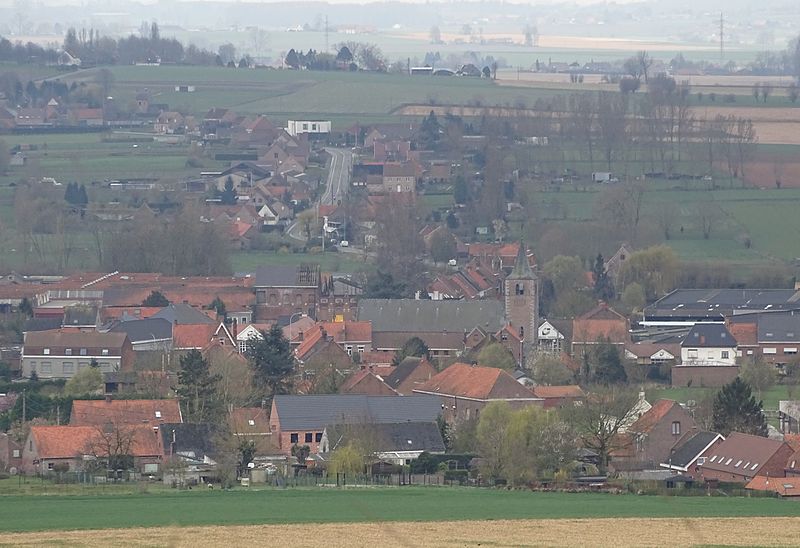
(452, 262)
(49, 181)
(344, 243)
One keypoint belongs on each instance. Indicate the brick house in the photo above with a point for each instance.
(464, 390)
(366, 382)
(742, 457)
(286, 290)
(399, 177)
(72, 448)
(656, 433)
(409, 374)
(10, 453)
(601, 325)
(59, 354)
(302, 419)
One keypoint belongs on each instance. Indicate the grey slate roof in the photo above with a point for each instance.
(522, 268)
(709, 335)
(316, 411)
(287, 276)
(779, 327)
(410, 315)
(692, 448)
(182, 314)
(718, 303)
(191, 440)
(148, 329)
(394, 436)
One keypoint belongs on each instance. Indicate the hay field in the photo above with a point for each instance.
(558, 532)
(772, 125)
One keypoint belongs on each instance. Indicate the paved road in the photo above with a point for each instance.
(338, 174)
(336, 187)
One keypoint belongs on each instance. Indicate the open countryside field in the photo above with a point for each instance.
(564, 532)
(358, 505)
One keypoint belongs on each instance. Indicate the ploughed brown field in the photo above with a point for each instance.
(554, 532)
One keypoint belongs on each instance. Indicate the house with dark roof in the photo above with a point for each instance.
(742, 457)
(687, 455)
(409, 374)
(708, 344)
(302, 419)
(283, 291)
(654, 434)
(398, 442)
(464, 390)
(686, 307)
(191, 453)
(708, 357)
(774, 336)
(59, 353)
(148, 334)
(443, 325)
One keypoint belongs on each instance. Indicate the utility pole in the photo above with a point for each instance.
(327, 46)
(23, 407)
(721, 37)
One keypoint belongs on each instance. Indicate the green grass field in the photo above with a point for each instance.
(202, 507)
(682, 394)
(247, 261)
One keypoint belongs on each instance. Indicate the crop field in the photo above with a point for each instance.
(567, 532)
(28, 513)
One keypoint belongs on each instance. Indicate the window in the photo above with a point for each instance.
(519, 289)
(701, 461)
(68, 352)
(251, 422)
(676, 428)
(318, 437)
(738, 463)
(105, 352)
(309, 437)
(361, 348)
(727, 462)
(242, 346)
(47, 368)
(725, 355)
(692, 353)
(754, 466)
(83, 351)
(49, 465)
(792, 350)
(67, 367)
(15, 453)
(294, 437)
(770, 351)
(713, 458)
(349, 349)
(46, 351)
(158, 414)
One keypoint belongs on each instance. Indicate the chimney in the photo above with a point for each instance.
(235, 328)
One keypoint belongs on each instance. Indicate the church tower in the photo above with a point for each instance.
(522, 300)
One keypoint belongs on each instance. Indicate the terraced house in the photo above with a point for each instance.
(59, 354)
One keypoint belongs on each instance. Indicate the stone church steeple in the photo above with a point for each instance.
(521, 290)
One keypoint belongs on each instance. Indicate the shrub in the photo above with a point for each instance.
(456, 475)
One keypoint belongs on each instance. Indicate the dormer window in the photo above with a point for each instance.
(46, 351)
(158, 414)
(68, 352)
(251, 422)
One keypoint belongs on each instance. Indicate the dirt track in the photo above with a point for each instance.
(566, 532)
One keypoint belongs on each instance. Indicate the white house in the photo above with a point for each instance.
(709, 344)
(550, 339)
(243, 337)
(296, 127)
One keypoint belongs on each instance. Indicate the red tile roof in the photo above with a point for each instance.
(192, 336)
(54, 442)
(366, 382)
(565, 391)
(310, 339)
(100, 412)
(468, 381)
(376, 358)
(785, 487)
(348, 331)
(658, 411)
(600, 324)
(249, 420)
(746, 334)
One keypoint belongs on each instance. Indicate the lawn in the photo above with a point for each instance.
(247, 261)
(203, 507)
(683, 394)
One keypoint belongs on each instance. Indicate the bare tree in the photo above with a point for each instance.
(599, 422)
(766, 91)
(666, 215)
(745, 142)
(645, 62)
(612, 123)
(708, 216)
